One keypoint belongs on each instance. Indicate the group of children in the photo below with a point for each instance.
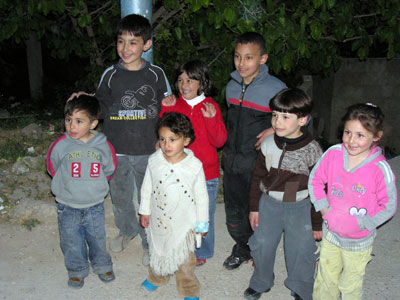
(165, 155)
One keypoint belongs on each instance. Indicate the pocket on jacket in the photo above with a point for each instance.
(341, 223)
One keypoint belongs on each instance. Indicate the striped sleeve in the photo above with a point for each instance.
(52, 159)
(318, 178)
(386, 193)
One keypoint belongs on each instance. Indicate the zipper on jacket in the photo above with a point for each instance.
(244, 87)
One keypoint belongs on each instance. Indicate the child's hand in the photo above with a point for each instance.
(209, 111)
(169, 100)
(203, 234)
(323, 211)
(76, 95)
(253, 217)
(261, 136)
(317, 235)
(144, 220)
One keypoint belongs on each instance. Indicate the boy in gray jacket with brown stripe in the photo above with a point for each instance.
(279, 200)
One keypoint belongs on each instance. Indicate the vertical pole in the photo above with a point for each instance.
(139, 7)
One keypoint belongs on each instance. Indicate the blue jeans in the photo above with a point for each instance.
(206, 250)
(125, 185)
(80, 229)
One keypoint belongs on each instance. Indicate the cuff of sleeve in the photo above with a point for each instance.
(201, 227)
(317, 226)
(365, 222)
(321, 204)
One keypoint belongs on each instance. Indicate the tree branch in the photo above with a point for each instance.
(166, 17)
(216, 58)
(90, 32)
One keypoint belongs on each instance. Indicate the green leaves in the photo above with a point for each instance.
(230, 16)
(84, 20)
(316, 31)
(309, 35)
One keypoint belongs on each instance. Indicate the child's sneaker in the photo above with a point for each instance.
(76, 282)
(119, 243)
(149, 286)
(107, 277)
(234, 262)
(200, 262)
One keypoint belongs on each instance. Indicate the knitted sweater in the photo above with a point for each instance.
(175, 196)
(210, 133)
(282, 171)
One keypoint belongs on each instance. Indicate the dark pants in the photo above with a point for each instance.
(126, 183)
(294, 221)
(236, 197)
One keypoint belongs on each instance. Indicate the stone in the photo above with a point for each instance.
(29, 208)
(32, 131)
(18, 194)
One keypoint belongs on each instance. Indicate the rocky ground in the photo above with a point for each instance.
(31, 262)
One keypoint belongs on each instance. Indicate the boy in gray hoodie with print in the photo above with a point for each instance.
(81, 163)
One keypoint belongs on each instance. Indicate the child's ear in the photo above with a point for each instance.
(186, 141)
(94, 124)
(147, 45)
(264, 59)
(303, 120)
(378, 136)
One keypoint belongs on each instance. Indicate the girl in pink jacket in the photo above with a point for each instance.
(354, 188)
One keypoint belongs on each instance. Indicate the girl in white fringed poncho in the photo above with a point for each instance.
(174, 207)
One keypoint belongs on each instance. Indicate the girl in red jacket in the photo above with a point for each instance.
(194, 101)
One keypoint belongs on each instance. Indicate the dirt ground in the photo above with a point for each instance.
(31, 267)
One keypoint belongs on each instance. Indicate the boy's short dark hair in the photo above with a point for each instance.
(178, 123)
(88, 104)
(136, 25)
(293, 101)
(254, 38)
(198, 70)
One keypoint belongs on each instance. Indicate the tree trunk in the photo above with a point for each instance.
(35, 67)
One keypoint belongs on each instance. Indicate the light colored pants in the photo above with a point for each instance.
(186, 281)
(340, 272)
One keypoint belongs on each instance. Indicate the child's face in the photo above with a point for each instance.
(357, 139)
(287, 125)
(248, 59)
(130, 49)
(188, 88)
(78, 126)
(172, 145)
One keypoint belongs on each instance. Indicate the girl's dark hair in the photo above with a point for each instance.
(293, 101)
(178, 124)
(369, 115)
(88, 104)
(136, 25)
(197, 70)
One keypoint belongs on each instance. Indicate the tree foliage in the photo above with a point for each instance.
(302, 36)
